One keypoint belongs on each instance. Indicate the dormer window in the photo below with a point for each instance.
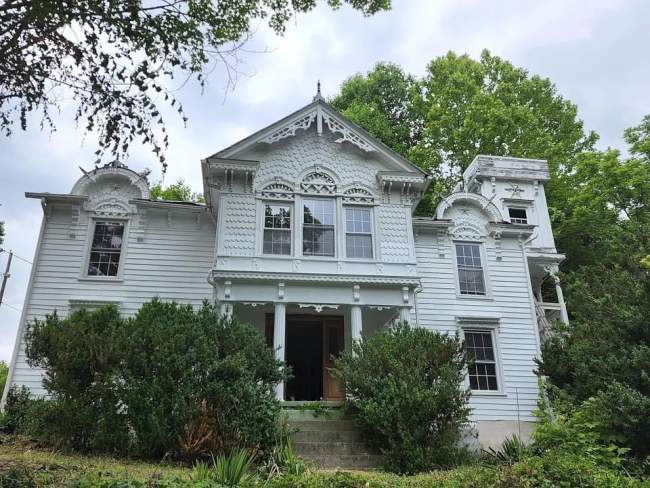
(518, 215)
(105, 249)
(277, 229)
(318, 227)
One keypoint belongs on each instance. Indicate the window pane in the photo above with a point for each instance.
(518, 215)
(319, 212)
(482, 371)
(318, 241)
(318, 227)
(277, 242)
(105, 249)
(357, 220)
(470, 271)
(358, 246)
(277, 217)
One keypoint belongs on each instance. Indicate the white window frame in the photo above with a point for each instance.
(371, 233)
(279, 203)
(484, 267)
(335, 225)
(88, 250)
(491, 326)
(518, 207)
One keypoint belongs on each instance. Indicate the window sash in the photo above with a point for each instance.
(106, 249)
(518, 220)
(358, 232)
(471, 279)
(276, 237)
(482, 369)
(318, 229)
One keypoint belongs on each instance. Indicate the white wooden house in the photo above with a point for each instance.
(308, 233)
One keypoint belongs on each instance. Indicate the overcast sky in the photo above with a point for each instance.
(596, 53)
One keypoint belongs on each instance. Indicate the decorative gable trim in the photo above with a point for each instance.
(346, 134)
(277, 190)
(358, 195)
(319, 182)
(290, 129)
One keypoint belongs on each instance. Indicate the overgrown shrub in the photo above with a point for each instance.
(403, 384)
(169, 380)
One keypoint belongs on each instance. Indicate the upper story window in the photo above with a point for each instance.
(518, 215)
(105, 249)
(470, 270)
(277, 229)
(358, 232)
(318, 227)
(482, 369)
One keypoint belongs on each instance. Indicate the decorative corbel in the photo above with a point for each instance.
(405, 294)
(497, 244)
(281, 291)
(227, 289)
(356, 293)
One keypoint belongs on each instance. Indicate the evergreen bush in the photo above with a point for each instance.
(404, 385)
(169, 381)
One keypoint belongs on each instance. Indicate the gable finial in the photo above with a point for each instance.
(318, 94)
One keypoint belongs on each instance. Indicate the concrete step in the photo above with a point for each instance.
(327, 436)
(347, 461)
(330, 448)
(321, 425)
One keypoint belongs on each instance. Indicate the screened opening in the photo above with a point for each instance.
(470, 270)
(481, 358)
(358, 233)
(105, 249)
(277, 229)
(318, 227)
(518, 215)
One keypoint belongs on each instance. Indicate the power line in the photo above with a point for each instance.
(11, 306)
(17, 256)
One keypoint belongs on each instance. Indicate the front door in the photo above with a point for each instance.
(311, 341)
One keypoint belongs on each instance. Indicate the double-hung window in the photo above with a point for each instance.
(277, 229)
(318, 227)
(481, 358)
(358, 232)
(470, 271)
(105, 249)
(517, 215)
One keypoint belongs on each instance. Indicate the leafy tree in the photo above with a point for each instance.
(463, 107)
(116, 60)
(4, 373)
(403, 385)
(179, 191)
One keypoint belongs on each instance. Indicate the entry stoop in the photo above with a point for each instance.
(330, 440)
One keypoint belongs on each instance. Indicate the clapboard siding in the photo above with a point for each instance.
(438, 306)
(171, 262)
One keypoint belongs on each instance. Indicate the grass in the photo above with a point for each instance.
(17, 452)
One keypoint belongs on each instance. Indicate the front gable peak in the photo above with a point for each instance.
(324, 117)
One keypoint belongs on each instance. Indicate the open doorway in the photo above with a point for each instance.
(311, 341)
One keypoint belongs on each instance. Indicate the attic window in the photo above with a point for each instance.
(518, 215)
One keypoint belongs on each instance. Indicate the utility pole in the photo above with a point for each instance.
(5, 277)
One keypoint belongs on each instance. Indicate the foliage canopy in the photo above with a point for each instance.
(118, 60)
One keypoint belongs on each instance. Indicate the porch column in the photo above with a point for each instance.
(405, 314)
(356, 322)
(278, 341)
(225, 310)
(564, 316)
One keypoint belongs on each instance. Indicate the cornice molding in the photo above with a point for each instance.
(323, 278)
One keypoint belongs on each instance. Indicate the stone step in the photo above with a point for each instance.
(330, 448)
(347, 461)
(327, 436)
(321, 425)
